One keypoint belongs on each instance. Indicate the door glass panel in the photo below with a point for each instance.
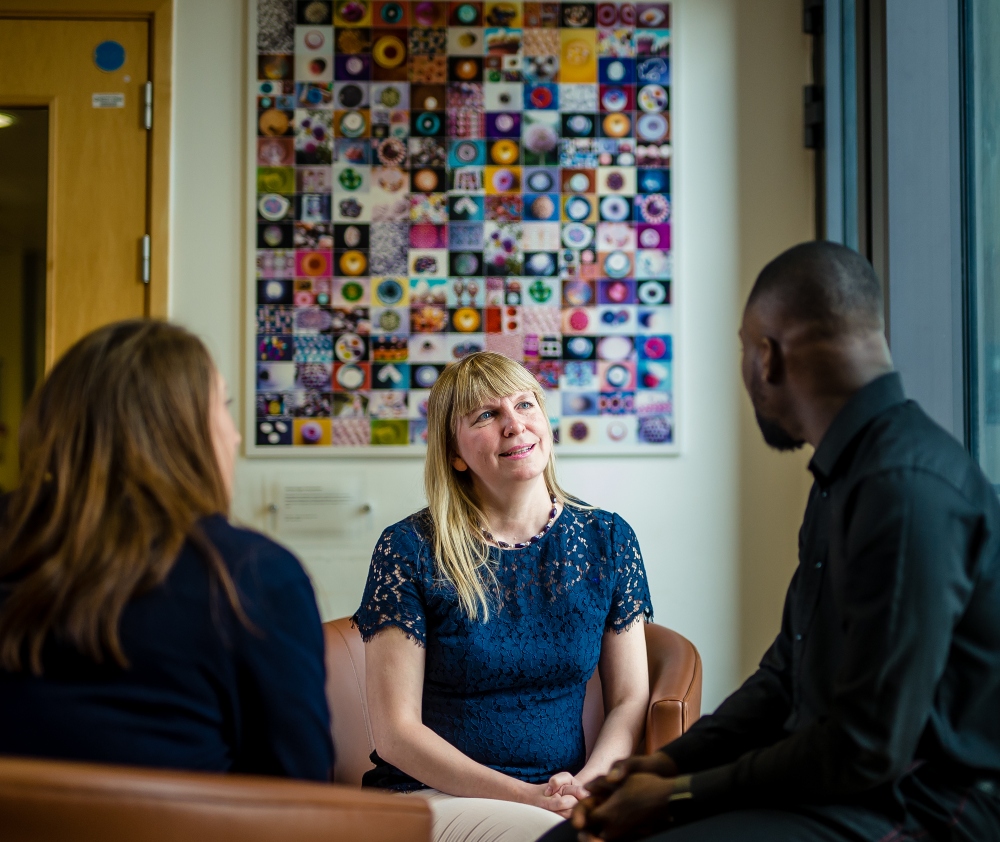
(24, 154)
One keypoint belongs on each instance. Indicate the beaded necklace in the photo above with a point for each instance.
(534, 539)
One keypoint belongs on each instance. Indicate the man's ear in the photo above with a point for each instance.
(772, 360)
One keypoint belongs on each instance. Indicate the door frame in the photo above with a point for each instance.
(160, 15)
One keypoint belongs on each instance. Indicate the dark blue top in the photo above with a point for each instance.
(202, 692)
(509, 692)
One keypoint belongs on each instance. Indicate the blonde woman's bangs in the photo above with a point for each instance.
(490, 377)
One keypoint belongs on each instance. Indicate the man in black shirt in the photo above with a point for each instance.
(875, 714)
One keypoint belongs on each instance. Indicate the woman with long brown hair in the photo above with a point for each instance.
(138, 626)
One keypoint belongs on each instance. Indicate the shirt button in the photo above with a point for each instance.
(823, 493)
(819, 564)
(798, 637)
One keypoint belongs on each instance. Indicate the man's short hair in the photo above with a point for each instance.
(825, 284)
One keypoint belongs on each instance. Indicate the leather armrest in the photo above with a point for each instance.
(44, 800)
(674, 686)
(348, 698)
(674, 690)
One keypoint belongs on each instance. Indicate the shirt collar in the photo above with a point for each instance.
(868, 402)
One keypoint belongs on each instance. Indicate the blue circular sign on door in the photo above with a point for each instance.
(109, 56)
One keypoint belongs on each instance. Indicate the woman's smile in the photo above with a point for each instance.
(518, 452)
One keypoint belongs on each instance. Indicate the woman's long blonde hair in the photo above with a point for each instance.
(461, 553)
(117, 466)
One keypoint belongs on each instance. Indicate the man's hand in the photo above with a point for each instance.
(636, 808)
(657, 763)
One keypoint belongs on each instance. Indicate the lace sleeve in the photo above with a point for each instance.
(394, 592)
(630, 597)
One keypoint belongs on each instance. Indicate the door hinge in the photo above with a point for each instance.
(147, 250)
(148, 113)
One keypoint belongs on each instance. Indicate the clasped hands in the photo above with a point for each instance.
(630, 802)
(560, 795)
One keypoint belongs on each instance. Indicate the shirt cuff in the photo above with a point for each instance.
(714, 787)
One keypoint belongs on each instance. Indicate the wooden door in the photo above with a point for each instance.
(97, 214)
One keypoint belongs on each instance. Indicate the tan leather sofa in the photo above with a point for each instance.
(674, 694)
(45, 801)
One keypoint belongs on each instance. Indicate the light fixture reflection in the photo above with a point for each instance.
(6, 120)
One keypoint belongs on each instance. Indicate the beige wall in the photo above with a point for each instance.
(776, 211)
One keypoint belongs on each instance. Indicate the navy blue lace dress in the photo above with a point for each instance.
(509, 692)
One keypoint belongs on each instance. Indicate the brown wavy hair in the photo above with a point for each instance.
(117, 467)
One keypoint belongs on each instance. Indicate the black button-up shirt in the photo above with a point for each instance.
(889, 650)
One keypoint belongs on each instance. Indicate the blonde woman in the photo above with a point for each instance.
(485, 614)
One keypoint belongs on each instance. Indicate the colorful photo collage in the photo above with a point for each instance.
(438, 178)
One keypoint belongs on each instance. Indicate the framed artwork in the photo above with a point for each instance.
(431, 179)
